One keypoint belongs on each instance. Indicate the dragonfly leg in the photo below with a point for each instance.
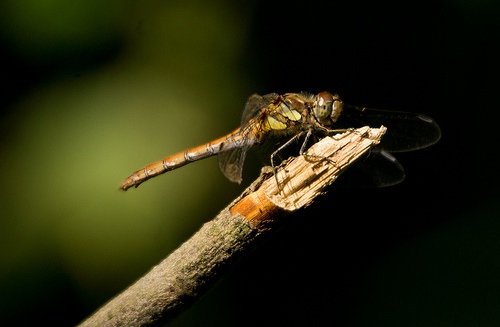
(304, 145)
(294, 138)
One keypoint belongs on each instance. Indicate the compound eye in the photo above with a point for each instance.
(324, 105)
(338, 105)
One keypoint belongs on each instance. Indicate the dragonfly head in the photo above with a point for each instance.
(327, 105)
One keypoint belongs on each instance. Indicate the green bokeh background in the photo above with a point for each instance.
(93, 90)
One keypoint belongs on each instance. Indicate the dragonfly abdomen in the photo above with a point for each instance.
(223, 144)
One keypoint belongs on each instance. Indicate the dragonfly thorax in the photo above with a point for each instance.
(327, 105)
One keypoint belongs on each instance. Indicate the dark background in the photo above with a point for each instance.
(92, 91)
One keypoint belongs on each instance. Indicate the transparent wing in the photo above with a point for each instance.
(255, 103)
(231, 164)
(377, 169)
(406, 131)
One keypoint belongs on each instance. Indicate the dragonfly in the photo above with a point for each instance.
(291, 116)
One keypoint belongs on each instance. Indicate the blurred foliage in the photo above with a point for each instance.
(112, 86)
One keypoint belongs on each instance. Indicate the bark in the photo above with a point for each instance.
(179, 280)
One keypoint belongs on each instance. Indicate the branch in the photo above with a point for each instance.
(186, 274)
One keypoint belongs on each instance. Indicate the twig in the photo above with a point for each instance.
(180, 279)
